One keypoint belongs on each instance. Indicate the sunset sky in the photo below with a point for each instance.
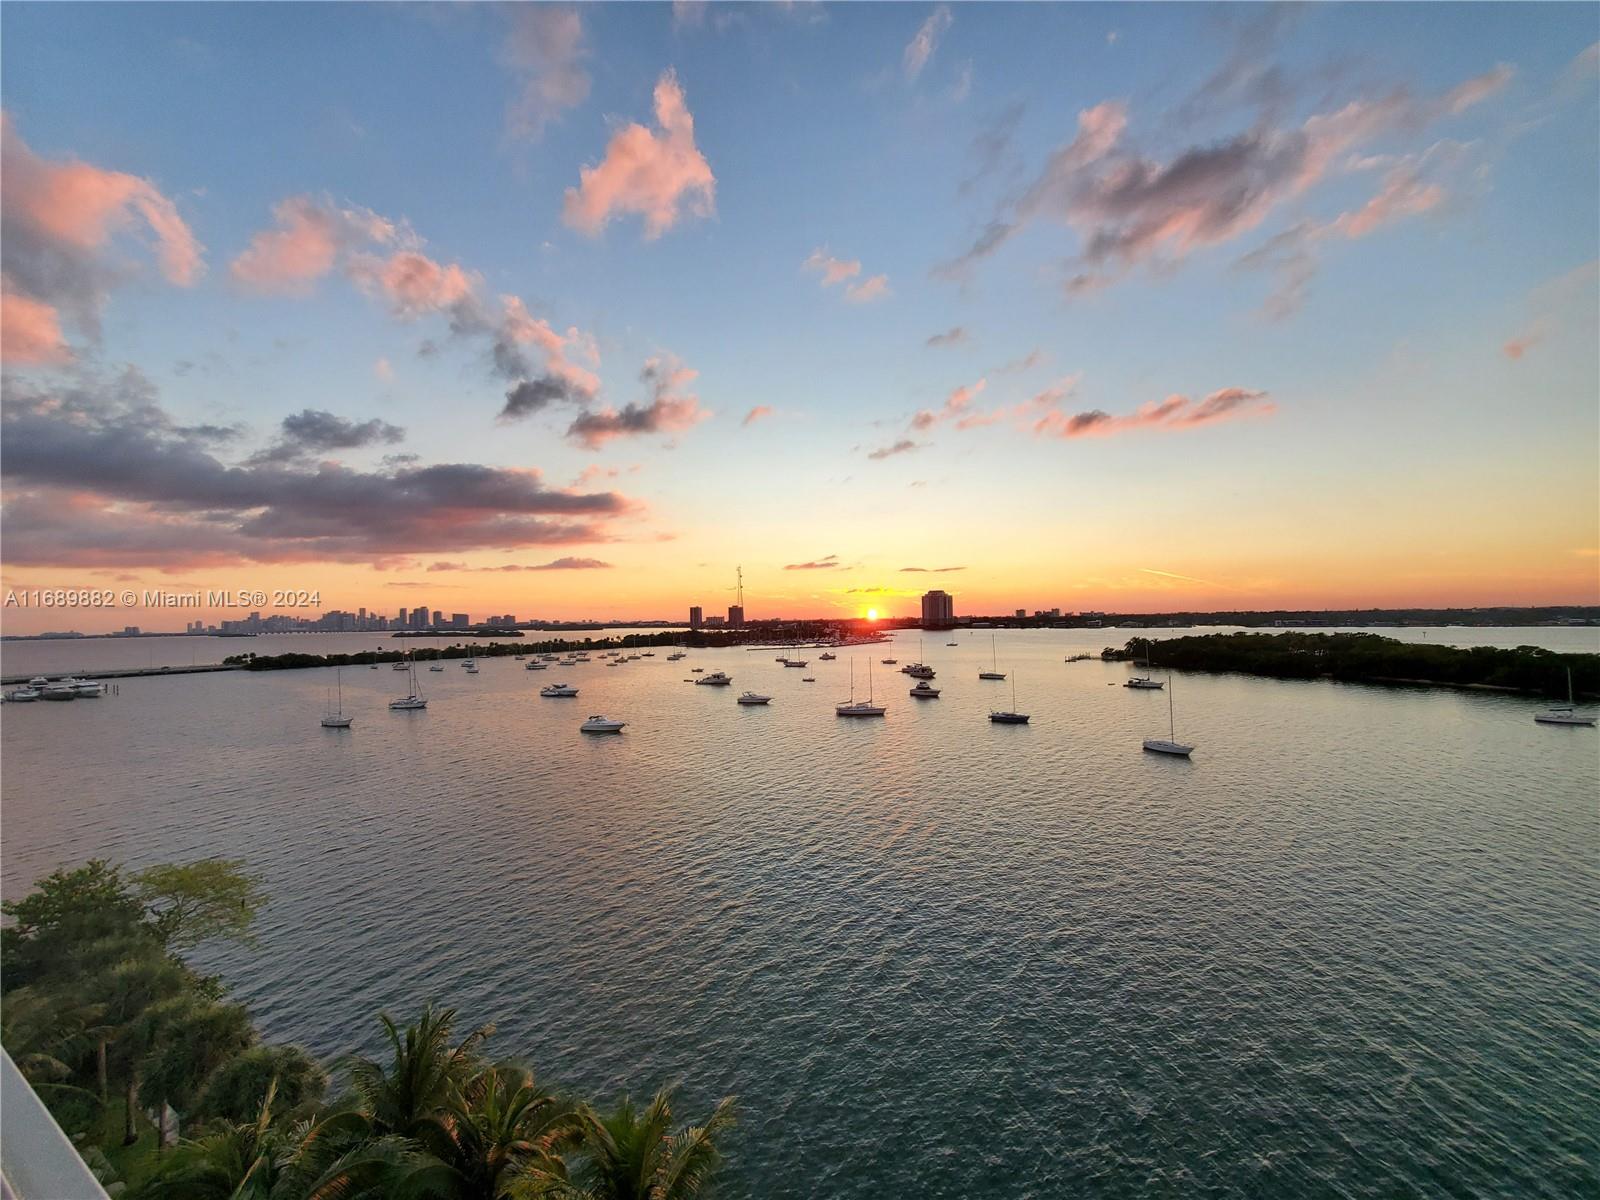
(568, 312)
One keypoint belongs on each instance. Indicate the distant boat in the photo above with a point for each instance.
(1171, 745)
(336, 719)
(436, 667)
(676, 657)
(994, 671)
(59, 691)
(400, 665)
(536, 666)
(558, 690)
(23, 695)
(826, 657)
(598, 724)
(952, 643)
(1144, 683)
(87, 689)
(1012, 717)
(865, 708)
(809, 679)
(753, 698)
(888, 662)
(794, 662)
(412, 700)
(1564, 714)
(925, 691)
(715, 679)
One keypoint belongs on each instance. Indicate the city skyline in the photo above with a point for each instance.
(1083, 307)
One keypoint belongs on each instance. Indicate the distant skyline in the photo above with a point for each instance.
(566, 311)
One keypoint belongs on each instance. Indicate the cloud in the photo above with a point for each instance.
(838, 270)
(312, 431)
(531, 396)
(383, 370)
(545, 48)
(903, 446)
(30, 332)
(687, 14)
(1560, 308)
(1175, 412)
(828, 562)
(660, 175)
(309, 237)
(671, 410)
(559, 564)
(98, 474)
(1520, 345)
(412, 283)
(950, 337)
(1027, 362)
(932, 570)
(957, 408)
(868, 290)
(925, 41)
(1129, 210)
(60, 220)
(757, 413)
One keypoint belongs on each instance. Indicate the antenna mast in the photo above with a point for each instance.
(741, 585)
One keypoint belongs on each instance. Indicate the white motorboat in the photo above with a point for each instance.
(1169, 744)
(87, 689)
(994, 671)
(715, 679)
(59, 691)
(436, 667)
(23, 695)
(472, 669)
(598, 724)
(753, 698)
(864, 708)
(470, 663)
(925, 691)
(1011, 717)
(536, 666)
(38, 682)
(558, 690)
(676, 657)
(399, 666)
(412, 700)
(1564, 714)
(336, 719)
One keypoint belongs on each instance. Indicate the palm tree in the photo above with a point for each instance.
(236, 1160)
(505, 1136)
(425, 1078)
(635, 1155)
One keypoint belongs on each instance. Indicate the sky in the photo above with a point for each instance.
(570, 312)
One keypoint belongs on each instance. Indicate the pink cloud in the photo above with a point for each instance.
(925, 41)
(957, 408)
(519, 326)
(1402, 195)
(660, 175)
(757, 413)
(308, 239)
(838, 270)
(1518, 346)
(1175, 412)
(868, 290)
(413, 283)
(30, 332)
(671, 409)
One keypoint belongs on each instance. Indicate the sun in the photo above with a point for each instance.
(872, 614)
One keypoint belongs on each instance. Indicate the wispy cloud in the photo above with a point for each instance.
(1175, 412)
(828, 562)
(903, 446)
(545, 49)
(932, 570)
(834, 271)
(950, 337)
(923, 44)
(758, 413)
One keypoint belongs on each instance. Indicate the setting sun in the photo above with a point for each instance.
(872, 614)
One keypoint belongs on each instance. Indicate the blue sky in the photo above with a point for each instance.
(1383, 396)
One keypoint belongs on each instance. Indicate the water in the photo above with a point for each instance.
(1350, 949)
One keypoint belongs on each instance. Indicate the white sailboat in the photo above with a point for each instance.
(412, 700)
(865, 708)
(994, 671)
(1564, 714)
(1171, 744)
(336, 719)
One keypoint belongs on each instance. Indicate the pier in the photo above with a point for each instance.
(120, 673)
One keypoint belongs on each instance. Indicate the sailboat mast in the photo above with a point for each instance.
(1172, 723)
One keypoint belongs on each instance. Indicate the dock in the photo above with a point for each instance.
(120, 673)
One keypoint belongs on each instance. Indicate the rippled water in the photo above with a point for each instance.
(1349, 950)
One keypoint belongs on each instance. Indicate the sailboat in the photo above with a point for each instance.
(336, 719)
(1564, 714)
(412, 700)
(994, 671)
(1013, 717)
(866, 708)
(1171, 745)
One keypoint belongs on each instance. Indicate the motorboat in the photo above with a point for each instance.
(87, 689)
(23, 695)
(677, 656)
(889, 662)
(436, 667)
(1169, 744)
(399, 666)
(826, 657)
(715, 679)
(59, 691)
(470, 663)
(924, 691)
(472, 668)
(38, 682)
(598, 724)
(536, 666)
(919, 671)
(696, 670)
(753, 698)
(1564, 714)
(1144, 683)
(558, 690)
(809, 679)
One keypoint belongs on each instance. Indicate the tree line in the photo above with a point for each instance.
(110, 1024)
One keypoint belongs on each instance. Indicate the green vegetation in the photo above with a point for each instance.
(109, 1024)
(1370, 658)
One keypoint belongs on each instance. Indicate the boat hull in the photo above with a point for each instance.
(1008, 718)
(1563, 719)
(1162, 746)
(337, 722)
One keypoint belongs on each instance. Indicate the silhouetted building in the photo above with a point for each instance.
(938, 609)
(697, 618)
(736, 614)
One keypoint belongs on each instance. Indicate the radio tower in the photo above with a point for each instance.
(741, 587)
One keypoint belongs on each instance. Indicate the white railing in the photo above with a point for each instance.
(37, 1162)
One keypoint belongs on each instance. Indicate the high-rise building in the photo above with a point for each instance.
(1022, 612)
(938, 609)
(696, 617)
(419, 618)
(736, 614)
(458, 620)
(438, 618)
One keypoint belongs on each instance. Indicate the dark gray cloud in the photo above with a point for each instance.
(313, 431)
(98, 474)
(671, 409)
(950, 337)
(535, 395)
(903, 446)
